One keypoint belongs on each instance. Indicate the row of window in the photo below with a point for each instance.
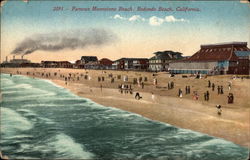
(222, 49)
(215, 49)
(189, 71)
(157, 61)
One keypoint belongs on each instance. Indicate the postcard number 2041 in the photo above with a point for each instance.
(57, 8)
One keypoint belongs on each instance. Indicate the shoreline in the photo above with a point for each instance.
(232, 125)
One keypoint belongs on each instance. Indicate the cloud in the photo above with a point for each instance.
(130, 19)
(136, 18)
(117, 16)
(173, 19)
(155, 21)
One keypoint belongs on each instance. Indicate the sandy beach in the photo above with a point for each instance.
(185, 112)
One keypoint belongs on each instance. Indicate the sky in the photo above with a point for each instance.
(67, 30)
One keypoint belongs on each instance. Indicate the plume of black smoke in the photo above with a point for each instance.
(73, 39)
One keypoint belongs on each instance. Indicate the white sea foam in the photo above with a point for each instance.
(26, 97)
(8, 92)
(11, 121)
(53, 105)
(27, 112)
(21, 136)
(67, 148)
(24, 110)
(43, 104)
(25, 86)
(215, 142)
(5, 81)
(46, 120)
(50, 82)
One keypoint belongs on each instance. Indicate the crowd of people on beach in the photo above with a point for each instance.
(220, 91)
(126, 87)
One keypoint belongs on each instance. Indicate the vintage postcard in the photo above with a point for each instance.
(161, 80)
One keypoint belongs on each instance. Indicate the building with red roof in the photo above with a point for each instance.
(218, 58)
(105, 63)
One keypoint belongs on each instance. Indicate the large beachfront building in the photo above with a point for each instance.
(56, 64)
(161, 60)
(131, 64)
(212, 59)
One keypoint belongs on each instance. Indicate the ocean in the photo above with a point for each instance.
(42, 120)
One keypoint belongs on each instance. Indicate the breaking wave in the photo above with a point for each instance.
(67, 147)
(11, 121)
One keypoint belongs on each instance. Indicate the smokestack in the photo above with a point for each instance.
(14, 57)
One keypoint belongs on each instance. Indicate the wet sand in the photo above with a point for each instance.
(185, 112)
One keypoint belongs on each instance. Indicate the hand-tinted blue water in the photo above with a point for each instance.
(42, 120)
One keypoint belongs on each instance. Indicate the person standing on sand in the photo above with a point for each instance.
(205, 96)
(142, 85)
(155, 81)
(219, 90)
(230, 98)
(153, 96)
(213, 87)
(138, 82)
(195, 96)
(229, 85)
(180, 93)
(209, 84)
(207, 93)
(219, 110)
(65, 80)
